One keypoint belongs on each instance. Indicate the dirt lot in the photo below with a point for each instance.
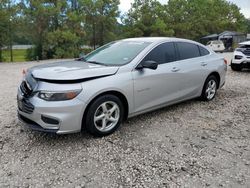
(192, 144)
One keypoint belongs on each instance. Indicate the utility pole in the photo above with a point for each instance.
(10, 32)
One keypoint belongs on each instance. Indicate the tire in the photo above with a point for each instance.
(209, 94)
(104, 115)
(236, 67)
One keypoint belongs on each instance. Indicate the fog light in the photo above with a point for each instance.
(49, 120)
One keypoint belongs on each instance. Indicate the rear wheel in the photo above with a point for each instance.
(209, 88)
(236, 67)
(104, 115)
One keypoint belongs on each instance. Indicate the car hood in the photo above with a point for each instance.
(71, 70)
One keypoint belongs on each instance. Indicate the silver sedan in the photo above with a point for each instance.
(118, 80)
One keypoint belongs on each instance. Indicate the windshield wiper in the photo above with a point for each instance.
(96, 62)
(93, 62)
(81, 59)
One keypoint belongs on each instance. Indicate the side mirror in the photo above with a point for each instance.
(148, 65)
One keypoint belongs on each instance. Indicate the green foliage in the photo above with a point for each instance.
(195, 18)
(100, 20)
(30, 54)
(146, 18)
(183, 18)
(67, 25)
(248, 25)
(62, 44)
(4, 25)
(85, 51)
(65, 28)
(18, 54)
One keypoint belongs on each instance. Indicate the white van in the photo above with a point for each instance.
(216, 45)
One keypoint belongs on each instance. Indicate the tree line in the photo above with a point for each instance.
(65, 28)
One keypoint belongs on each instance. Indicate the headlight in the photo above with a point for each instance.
(58, 96)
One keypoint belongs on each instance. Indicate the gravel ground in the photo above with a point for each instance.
(192, 144)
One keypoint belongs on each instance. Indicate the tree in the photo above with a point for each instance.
(100, 20)
(60, 28)
(56, 28)
(146, 18)
(3, 26)
(37, 14)
(248, 25)
(195, 18)
(7, 17)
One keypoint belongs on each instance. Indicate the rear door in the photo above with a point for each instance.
(192, 71)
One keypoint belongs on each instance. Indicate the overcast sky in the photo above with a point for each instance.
(243, 4)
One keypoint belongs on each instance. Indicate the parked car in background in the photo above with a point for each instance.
(216, 45)
(118, 80)
(241, 57)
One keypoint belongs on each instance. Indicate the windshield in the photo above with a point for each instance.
(116, 53)
(244, 46)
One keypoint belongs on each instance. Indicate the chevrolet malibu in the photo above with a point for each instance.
(117, 81)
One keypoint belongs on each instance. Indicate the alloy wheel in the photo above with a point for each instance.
(211, 89)
(106, 116)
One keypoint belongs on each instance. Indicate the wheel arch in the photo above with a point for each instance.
(217, 75)
(118, 94)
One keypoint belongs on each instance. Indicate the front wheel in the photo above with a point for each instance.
(209, 88)
(104, 115)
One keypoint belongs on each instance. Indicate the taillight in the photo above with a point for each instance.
(225, 61)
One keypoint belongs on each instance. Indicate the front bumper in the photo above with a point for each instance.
(61, 117)
(244, 61)
(34, 126)
(242, 64)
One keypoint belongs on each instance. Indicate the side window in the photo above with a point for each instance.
(164, 53)
(203, 51)
(187, 50)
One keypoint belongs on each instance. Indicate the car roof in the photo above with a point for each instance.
(157, 39)
(147, 39)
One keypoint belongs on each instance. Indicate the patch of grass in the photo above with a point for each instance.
(18, 55)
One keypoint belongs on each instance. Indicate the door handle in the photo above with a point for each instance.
(203, 64)
(175, 69)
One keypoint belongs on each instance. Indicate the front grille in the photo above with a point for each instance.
(246, 52)
(25, 106)
(25, 89)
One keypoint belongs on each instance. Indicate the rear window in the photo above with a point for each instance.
(187, 50)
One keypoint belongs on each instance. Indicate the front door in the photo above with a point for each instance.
(156, 87)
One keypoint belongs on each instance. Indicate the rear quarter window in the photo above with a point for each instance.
(203, 51)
